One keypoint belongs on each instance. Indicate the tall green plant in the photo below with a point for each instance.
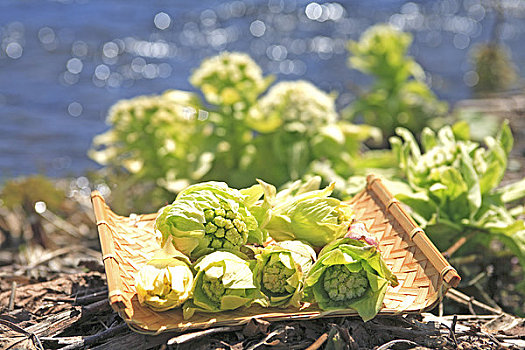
(399, 96)
(455, 187)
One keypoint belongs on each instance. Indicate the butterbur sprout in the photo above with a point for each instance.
(165, 282)
(224, 281)
(294, 106)
(312, 216)
(280, 270)
(349, 274)
(229, 78)
(210, 216)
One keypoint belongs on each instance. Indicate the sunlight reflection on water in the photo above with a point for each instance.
(64, 63)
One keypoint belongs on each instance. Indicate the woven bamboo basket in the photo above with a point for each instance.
(423, 273)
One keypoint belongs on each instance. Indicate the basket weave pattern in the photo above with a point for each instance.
(423, 274)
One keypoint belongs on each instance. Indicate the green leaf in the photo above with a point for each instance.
(253, 194)
(471, 180)
(505, 138)
(512, 192)
(423, 207)
(312, 217)
(337, 257)
(428, 139)
(513, 236)
(461, 130)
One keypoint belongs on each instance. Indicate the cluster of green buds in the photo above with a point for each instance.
(224, 228)
(342, 285)
(294, 106)
(229, 78)
(275, 277)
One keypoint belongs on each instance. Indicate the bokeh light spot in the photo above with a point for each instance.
(461, 41)
(110, 50)
(46, 35)
(162, 20)
(14, 50)
(257, 28)
(471, 78)
(313, 11)
(102, 72)
(74, 109)
(74, 66)
(40, 207)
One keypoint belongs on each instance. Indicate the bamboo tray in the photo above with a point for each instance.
(423, 273)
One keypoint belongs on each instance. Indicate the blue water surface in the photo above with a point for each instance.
(64, 63)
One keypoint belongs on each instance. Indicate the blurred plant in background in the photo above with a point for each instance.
(21, 195)
(495, 71)
(155, 137)
(172, 141)
(454, 188)
(399, 95)
(230, 80)
(160, 140)
(299, 128)
(494, 68)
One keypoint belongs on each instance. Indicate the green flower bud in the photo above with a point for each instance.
(216, 243)
(220, 232)
(209, 215)
(233, 236)
(275, 277)
(213, 288)
(228, 245)
(210, 228)
(349, 274)
(165, 281)
(279, 272)
(228, 225)
(239, 225)
(210, 203)
(219, 221)
(342, 285)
